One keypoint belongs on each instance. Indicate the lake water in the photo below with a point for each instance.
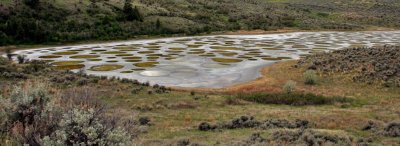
(203, 61)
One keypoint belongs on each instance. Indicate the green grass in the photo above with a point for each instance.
(296, 99)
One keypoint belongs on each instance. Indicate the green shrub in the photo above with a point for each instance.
(310, 77)
(84, 126)
(289, 87)
(298, 99)
(21, 59)
(26, 113)
(33, 116)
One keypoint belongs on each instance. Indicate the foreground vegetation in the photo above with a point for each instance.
(46, 21)
(41, 105)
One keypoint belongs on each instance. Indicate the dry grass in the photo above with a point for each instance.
(177, 114)
(373, 102)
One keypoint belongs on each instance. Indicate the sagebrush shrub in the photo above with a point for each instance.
(310, 77)
(33, 116)
(25, 114)
(289, 87)
(84, 126)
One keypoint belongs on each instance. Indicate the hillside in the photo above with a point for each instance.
(44, 21)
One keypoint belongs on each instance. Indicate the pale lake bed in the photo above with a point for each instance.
(203, 61)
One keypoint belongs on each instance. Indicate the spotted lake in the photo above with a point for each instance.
(203, 61)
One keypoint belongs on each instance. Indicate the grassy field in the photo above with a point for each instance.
(176, 115)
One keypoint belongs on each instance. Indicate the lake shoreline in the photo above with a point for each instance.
(221, 62)
(145, 37)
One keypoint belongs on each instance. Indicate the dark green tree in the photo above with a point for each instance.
(131, 13)
(32, 3)
(158, 24)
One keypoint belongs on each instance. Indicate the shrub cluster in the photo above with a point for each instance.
(251, 122)
(390, 129)
(8, 70)
(365, 64)
(309, 137)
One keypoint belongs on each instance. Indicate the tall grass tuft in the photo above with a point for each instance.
(289, 87)
(310, 77)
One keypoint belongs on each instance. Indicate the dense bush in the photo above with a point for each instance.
(84, 127)
(31, 115)
(292, 99)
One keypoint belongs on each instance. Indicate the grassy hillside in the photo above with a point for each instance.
(43, 21)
